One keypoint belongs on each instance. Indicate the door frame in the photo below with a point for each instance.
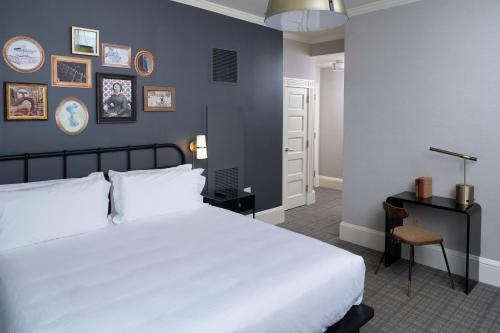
(310, 146)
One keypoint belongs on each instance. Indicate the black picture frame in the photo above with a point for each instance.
(116, 111)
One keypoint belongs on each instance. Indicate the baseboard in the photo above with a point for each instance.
(311, 197)
(272, 216)
(489, 270)
(330, 182)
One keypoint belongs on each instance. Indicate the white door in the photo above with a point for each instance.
(296, 106)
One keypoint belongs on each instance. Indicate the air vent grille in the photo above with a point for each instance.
(224, 66)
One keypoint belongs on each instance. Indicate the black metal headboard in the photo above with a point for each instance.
(97, 151)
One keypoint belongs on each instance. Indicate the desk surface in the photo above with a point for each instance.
(434, 201)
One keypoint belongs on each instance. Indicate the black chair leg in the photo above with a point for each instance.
(410, 264)
(380, 263)
(447, 266)
(413, 256)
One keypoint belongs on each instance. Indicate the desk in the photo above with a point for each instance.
(472, 246)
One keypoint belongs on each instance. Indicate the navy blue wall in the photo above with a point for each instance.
(181, 38)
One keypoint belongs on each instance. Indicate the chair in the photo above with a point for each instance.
(412, 235)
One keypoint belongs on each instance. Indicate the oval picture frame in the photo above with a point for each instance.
(144, 63)
(60, 123)
(12, 64)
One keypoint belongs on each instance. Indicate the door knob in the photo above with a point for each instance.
(289, 150)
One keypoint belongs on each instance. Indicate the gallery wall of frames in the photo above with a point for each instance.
(89, 73)
(115, 94)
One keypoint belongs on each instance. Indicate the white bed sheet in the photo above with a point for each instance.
(207, 270)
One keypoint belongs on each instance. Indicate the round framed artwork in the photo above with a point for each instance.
(72, 116)
(23, 54)
(144, 63)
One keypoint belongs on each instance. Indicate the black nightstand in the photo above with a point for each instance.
(238, 202)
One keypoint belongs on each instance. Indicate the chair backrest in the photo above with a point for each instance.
(395, 213)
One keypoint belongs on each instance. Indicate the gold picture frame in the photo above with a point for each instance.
(159, 99)
(71, 72)
(23, 54)
(78, 114)
(115, 59)
(144, 63)
(26, 101)
(85, 41)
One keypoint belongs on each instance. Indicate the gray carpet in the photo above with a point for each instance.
(433, 306)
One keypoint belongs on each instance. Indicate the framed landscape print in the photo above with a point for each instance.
(72, 116)
(116, 98)
(71, 72)
(159, 99)
(23, 54)
(26, 101)
(116, 55)
(144, 63)
(85, 41)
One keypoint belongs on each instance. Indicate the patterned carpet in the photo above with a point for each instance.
(433, 306)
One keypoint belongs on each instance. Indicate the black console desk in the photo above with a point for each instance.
(472, 246)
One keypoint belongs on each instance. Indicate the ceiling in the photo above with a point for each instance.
(259, 7)
(325, 61)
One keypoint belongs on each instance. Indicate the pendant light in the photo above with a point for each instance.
(305, 15)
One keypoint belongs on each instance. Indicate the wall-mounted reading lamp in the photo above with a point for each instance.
(199, 146)
(465, 193)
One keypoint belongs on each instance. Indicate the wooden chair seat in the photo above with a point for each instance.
(416, 236)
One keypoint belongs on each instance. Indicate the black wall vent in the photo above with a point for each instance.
(224, 66)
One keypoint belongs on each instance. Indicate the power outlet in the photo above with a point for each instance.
(248, 189)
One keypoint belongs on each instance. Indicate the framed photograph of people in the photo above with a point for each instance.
(26, 101)
(71, 72)
(159, 99)
(85, 41)
(23, 54)
(144, 63)
(116, 55)
(116, 98)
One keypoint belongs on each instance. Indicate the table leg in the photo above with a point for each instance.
(473, 247)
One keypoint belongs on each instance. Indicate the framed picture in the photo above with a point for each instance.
(144, 63)
(159, 99)
(72, 116)
(23, 54)
(26, 101)
(85, 41)
(116, 96)
(116, 55)
(71, 72)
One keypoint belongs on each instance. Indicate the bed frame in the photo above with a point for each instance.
(64, 154)
(357, 316)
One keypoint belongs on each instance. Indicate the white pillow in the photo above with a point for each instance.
(143, 195)
(25, 186)
(34, 215)
(115, 176)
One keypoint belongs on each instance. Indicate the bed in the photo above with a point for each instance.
(203, 270)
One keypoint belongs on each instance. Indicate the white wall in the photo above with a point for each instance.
(420, 75)
(331, 135)
(297, 62)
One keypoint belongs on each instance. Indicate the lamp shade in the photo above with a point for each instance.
(201, 147)
(305, 15)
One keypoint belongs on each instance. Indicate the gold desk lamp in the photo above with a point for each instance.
(465, 192)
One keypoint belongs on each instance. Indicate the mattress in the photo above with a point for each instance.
(206, 270)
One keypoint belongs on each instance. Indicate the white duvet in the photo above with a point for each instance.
(203, 271)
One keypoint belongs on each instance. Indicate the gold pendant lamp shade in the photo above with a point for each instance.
(305, 15)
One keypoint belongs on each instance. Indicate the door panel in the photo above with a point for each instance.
(295, 158)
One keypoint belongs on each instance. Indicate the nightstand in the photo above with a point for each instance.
(238, 202)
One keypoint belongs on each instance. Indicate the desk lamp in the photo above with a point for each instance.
(465, 192)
